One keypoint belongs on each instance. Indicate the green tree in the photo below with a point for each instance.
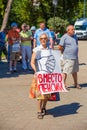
(24, 11)
(78, 11)
(59, 24)
(1, 10)
(19, 11)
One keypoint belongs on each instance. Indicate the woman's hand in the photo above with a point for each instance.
(35, 75)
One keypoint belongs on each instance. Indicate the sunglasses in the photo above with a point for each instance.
(43, 38)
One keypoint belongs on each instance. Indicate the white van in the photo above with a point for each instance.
(81, 28)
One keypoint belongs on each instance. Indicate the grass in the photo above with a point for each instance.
(3, 56)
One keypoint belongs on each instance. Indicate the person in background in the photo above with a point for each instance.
(58, 36)
(69, 47)
(53, 35)
(27, 27)
(41, 99)
(33, 29)
(41, 30)
(3, 43)
(13, 36)
(26, 38)
(18, 30)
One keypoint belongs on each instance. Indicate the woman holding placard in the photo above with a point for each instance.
(41, 99)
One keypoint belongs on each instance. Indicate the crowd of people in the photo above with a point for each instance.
(27, 41)
(28, 38)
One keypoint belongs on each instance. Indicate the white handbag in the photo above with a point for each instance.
(16, 47)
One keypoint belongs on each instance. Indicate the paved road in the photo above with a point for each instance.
(18, 112)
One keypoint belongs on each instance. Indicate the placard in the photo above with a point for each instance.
(49, 76)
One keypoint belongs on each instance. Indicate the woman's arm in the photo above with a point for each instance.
(34, 43)
(33, 62)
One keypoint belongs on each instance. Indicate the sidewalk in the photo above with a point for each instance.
(18, 112)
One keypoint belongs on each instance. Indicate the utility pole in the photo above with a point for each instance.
(55, 2)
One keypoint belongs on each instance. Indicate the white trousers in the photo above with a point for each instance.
(26, 57)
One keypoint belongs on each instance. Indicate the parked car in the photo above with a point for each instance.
(81, 28)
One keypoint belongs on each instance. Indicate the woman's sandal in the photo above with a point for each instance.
(67, 88)
(39, 115)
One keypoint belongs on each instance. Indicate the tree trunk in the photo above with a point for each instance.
(6, 15)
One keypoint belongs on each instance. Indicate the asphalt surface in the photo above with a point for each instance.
(19, 112)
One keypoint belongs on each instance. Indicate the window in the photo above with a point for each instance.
(81, 27)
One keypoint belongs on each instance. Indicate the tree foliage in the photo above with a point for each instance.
(1, 7)
(1, 10)
(24, 11)
(58, 24)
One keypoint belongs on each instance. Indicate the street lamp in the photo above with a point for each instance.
(55, 2)
(36, 3)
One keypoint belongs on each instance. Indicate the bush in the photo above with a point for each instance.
(57, 24)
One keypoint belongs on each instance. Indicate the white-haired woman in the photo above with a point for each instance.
(41, 99)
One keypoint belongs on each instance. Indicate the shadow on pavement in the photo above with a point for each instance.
(4, 71)
(82, 64)
(65, 110)
(82, 85)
